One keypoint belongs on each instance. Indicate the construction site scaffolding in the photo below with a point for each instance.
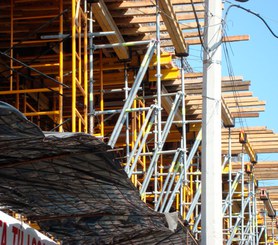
(165, 168)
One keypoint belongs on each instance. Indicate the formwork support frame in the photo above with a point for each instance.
(16, 65)
(79, 120)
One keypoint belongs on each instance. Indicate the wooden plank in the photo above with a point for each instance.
(145, 3)
(150, 10)
(237, 95)
(152, 19)
(237, 38)
(226, 115)
(245, 115)
(173, 27)
(150, 30)
(105, 20)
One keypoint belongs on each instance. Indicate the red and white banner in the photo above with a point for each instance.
(14, 232)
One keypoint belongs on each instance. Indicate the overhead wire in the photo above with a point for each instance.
(36, 30)
(232, 79)
(226, 52)
(198, 26)
(253, 13)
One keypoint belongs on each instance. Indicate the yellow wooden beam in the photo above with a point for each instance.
(226, 115)
(33, 90)
(173, 27)
(105, 20)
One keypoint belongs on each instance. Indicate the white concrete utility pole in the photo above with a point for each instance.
(211, 119)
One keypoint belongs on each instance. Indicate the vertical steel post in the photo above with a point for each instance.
(211, 121)
(158, 87)
(230, 181)
(101, 94)
(91, 73)
(61, 68)
(183, 137)
(73, 41)
(255, 212)
(250, 233)
(12, 45)
(272, 230)
(242, 197)
(85, 68)
(127, 118)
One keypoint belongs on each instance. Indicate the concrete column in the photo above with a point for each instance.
(211, 207)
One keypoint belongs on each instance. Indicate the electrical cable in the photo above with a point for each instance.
(226, 50)
(198, 26)
(37, 30)
(33, 69)
(232, 78)
(253, 13)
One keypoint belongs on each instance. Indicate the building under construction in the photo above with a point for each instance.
(112, 151)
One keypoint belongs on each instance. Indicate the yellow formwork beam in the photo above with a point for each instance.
(243, 139)
(167, 74)
(165, 59)
(33, 90)
(41, 113)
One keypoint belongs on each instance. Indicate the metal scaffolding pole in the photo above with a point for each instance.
(230, 181)
(211, 120)
(127, 118)
(141, 73)
(158, 87)
(242, 198)
(91, 72)
(255, 223)
(139, 143)
(180, 180)
(171, 174)
(183, 137)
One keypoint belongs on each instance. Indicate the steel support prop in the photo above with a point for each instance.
(188, 161)
(91, 73)
(141, 73)
(238, 221)
(126, 89)
(242, 198)
(158, 147)
(145, 129)
(158, 88)
(171, 174)
(183, 137)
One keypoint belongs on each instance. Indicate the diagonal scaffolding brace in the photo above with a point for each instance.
(139, 78)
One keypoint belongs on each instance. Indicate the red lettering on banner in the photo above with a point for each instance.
(4, 233)
(34, 242)
(21, 237)
(15, 233)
